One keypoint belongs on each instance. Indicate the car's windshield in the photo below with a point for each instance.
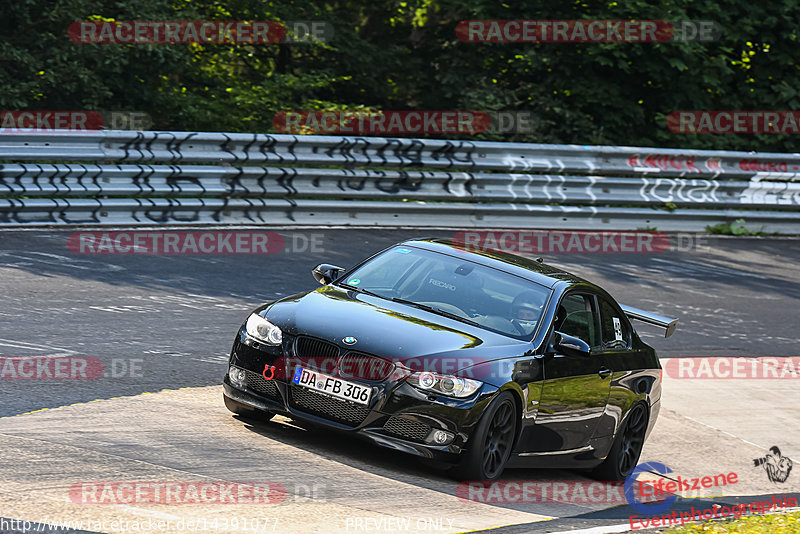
(493, 299)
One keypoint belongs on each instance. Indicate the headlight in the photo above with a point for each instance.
(237, 376)
(452, 386)
(262, 330)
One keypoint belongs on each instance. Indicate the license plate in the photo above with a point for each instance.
(330, 385)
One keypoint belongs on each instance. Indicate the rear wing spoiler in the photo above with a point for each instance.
(651, 318)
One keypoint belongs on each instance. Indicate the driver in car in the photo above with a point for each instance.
(525, 312)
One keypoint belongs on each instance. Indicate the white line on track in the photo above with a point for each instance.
(53, 352)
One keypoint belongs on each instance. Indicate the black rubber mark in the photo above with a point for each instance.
(286, 178)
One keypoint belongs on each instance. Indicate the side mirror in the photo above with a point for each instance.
(570, 345)
(325, 273)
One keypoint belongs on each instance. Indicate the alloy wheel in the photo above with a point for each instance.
(499, 438)
(632, 439)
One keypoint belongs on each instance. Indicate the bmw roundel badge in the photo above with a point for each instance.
(349, 340)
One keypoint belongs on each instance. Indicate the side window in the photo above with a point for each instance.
(613, 326)
(576, 317)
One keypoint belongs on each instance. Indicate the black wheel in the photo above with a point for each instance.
(491, 442)
(246, 411)
(624, 453)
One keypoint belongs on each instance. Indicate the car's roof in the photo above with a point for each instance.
(533, 270)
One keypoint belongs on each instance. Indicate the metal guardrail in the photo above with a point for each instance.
(123, 177)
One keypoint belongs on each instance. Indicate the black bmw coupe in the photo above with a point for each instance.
(480, 360)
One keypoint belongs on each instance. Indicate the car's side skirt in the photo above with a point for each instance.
(587, 456)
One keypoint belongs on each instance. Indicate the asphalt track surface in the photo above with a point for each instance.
(167, 322)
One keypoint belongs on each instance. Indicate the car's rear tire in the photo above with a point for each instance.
(246, 411)
(492, 440)
(627, 447)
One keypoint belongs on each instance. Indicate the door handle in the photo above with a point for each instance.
(605, 372)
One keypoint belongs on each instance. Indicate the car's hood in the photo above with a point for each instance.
(395, 331)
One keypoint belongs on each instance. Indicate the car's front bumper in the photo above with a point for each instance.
(373, 430)
(398, 416)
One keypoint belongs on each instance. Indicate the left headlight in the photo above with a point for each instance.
(262, 330)
(452, 386)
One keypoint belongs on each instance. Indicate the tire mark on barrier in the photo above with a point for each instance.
(291, 209)
(143, 177)
(446, 185)
(93, 179)
(286, 180)
(173, 180)
(149, 145)
(403, 181)
(173, 155)
(152, 207)
(449, 153)
(3, 177)
(179, 145)
(265, 174)
(290, 149)
(176, 203)
(469, 183)
(217, 213)
(352, 182)
(268, 145)
(246, 148)
(93, 217)
(234, 184)
(345, 147)
(59, 179)
(365, 151)
(380, 151)
(224, 146)
(37, 176)
(61, 175)
(416, 147)
(56, 179)
(127, 147)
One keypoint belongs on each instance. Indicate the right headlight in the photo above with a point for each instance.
(262, 330)
(450, 385)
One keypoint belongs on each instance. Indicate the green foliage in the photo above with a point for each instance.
(400, 55)
(756, 524)
(735, 228)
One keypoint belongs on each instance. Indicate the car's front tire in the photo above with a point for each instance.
(627, 447)
(246, 411)
(491, 442)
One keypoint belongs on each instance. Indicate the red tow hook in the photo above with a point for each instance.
(271, 372)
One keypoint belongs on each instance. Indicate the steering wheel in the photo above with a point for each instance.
(519, 328)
